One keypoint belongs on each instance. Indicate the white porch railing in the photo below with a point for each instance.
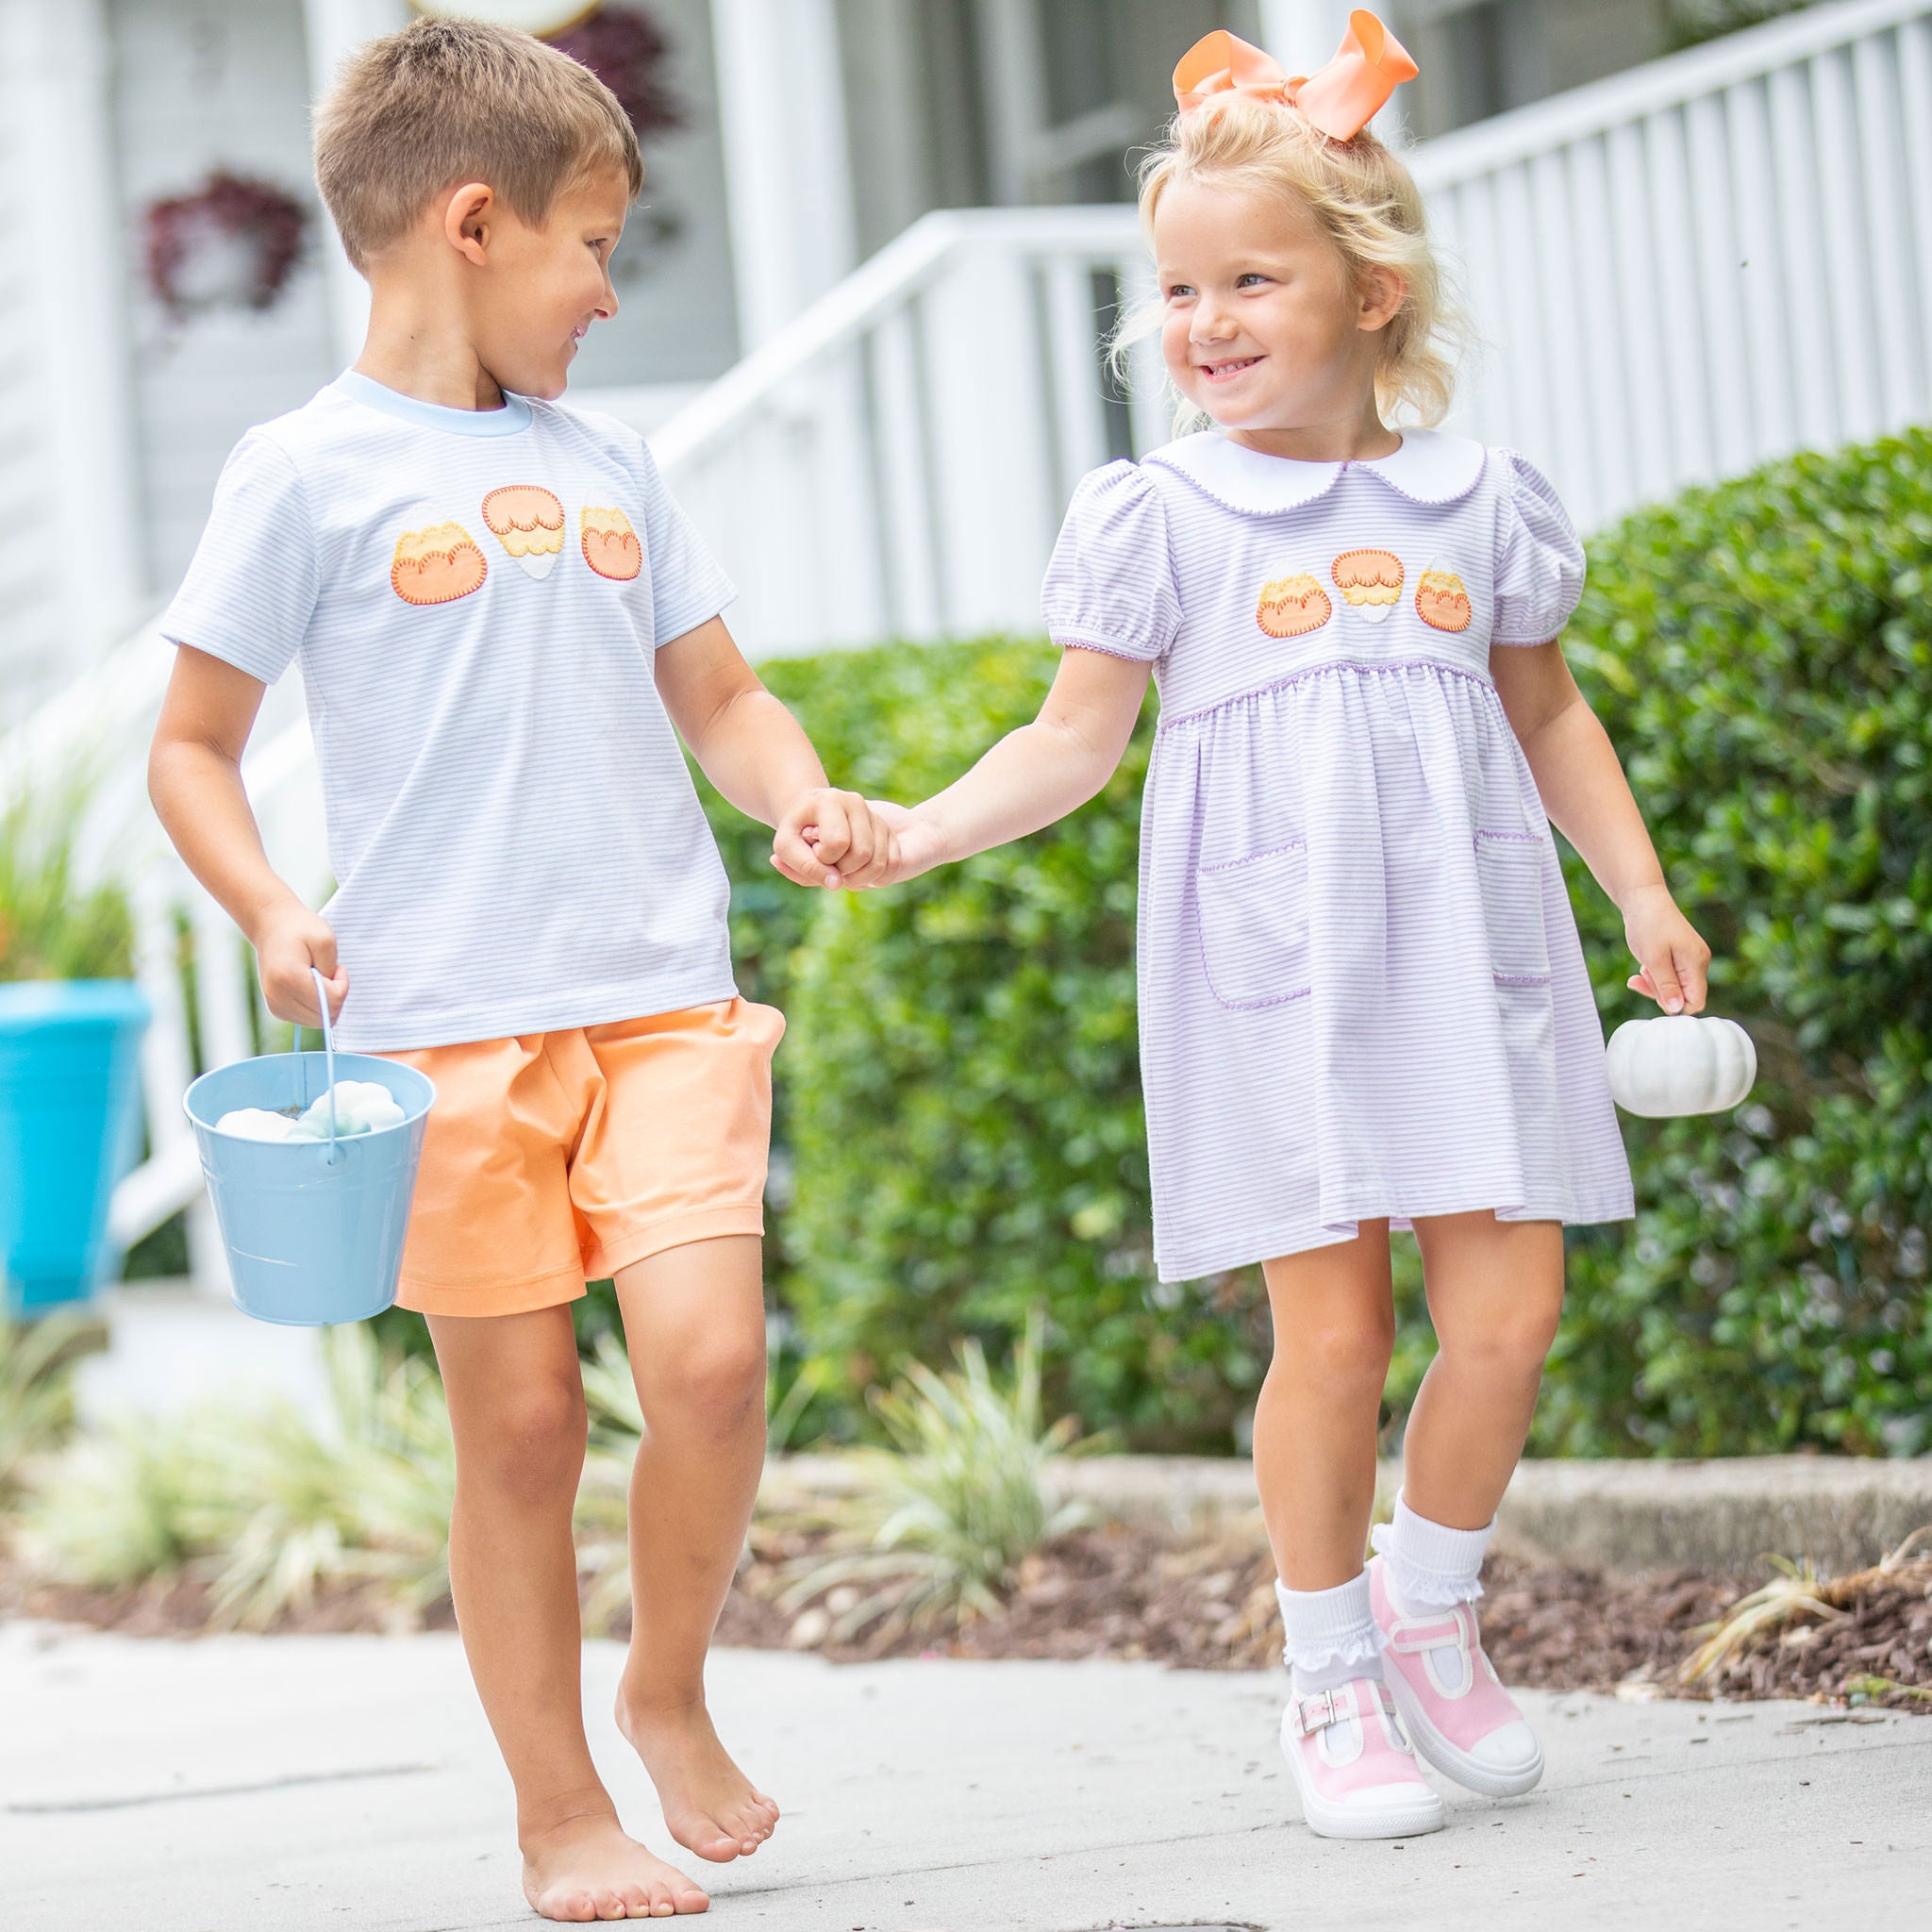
(1678, 272)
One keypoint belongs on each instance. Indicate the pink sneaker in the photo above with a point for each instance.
(1463, 1720)
(1352, 1767)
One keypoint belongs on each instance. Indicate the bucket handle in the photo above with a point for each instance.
(329, 1056)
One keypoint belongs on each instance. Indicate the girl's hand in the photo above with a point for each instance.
(1672, 958)
(832, 837)
(288, 942)
(918, 844)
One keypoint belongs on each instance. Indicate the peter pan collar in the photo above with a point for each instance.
(1429, 467)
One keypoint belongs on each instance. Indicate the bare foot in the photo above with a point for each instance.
(711, 1806)
(589, 1869)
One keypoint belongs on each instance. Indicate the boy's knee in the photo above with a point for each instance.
(720, 1382)
(532, 1443)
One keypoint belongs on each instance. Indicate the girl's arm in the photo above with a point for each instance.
(195, 779)
(757, 754)
(1589, 801)
(1033, 775)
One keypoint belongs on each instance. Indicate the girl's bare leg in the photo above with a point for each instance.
(516, 1405)
(1495, 1289)
(694, 1322)
(1315, 1424)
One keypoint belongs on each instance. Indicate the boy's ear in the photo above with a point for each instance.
(469, 222)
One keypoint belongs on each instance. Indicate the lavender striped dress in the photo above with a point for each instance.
(1361, 989)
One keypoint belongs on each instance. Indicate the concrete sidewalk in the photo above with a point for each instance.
(292, 1784)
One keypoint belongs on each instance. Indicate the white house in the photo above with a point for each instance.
(880, 242)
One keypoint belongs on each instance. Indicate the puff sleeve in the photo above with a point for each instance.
(1110, 585)
(1539, 558)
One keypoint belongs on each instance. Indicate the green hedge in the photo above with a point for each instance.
(959, 1099)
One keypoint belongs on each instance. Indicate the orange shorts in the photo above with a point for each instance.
(553, 1159)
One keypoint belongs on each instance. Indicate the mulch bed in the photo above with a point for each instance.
(1207, 1603)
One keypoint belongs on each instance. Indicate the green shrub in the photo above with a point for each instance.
(960, 1091)
(1762, 654)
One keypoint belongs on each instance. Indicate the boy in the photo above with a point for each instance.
(501, 616)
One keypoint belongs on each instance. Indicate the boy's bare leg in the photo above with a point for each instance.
(516, 1405)
(694, 1322)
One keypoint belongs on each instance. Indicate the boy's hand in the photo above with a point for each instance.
(287, 944)
(1671, 957)
(832, 837)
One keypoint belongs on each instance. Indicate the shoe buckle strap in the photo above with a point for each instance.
(1410, 1634)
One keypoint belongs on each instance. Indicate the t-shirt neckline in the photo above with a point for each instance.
(515, 416)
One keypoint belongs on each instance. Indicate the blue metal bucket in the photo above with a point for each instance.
(314, 1229)
(70, 1081)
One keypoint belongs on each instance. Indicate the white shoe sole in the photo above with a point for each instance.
(1435, 1749)
(1405, 1817)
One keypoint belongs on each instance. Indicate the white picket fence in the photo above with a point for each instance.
(1675, 273)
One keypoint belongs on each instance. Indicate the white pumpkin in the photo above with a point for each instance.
(1680, 1063)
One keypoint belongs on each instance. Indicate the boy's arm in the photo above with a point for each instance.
(1036, 775)
(1589, 801)
(757, 754)
(195, 779)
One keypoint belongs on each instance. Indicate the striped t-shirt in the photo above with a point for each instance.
(475, 598)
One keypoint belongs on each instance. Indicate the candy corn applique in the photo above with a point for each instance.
(437, 565)
(528, 520)
(1292, 607)
(611, 546)
(1369, 582)
(1441, 600)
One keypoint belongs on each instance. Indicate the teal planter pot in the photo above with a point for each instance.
(70, 1085)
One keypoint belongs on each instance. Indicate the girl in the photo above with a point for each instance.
(1363, 1003)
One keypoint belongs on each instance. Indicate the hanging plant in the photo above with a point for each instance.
(630, 54)
(233, 244)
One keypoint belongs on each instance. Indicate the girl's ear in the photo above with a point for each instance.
(469, 221)
(1383, 292)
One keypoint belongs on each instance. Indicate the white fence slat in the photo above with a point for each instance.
(1638, 315)
(1682, 334)
(1900, 330)
(1847, 260)
(1808, 302)
(1707, 146)
(1606, 388)
(906, 508)
(1073, 371)
(1525, 368)
(1767, 344)
(1559, 326)
(1915, 96)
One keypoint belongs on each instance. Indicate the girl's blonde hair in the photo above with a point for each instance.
(1363, 199)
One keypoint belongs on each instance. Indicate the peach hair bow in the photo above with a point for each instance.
(1338, 101)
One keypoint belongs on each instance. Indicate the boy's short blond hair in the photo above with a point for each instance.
(447, 101)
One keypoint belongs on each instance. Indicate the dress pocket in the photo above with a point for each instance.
(1509, 875)
(1254, 915)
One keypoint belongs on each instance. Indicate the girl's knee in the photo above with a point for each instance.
(1342, 1353)
(1511, 1346)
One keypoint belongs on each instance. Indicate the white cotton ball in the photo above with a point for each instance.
(258, 1123)
(361, 1107)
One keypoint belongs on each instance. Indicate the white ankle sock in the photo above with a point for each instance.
(1331, 1635)
(1428, 1565)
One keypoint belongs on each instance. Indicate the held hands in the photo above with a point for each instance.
(839, 838)
(833, 838)
(288, 942)
(1672, 958)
